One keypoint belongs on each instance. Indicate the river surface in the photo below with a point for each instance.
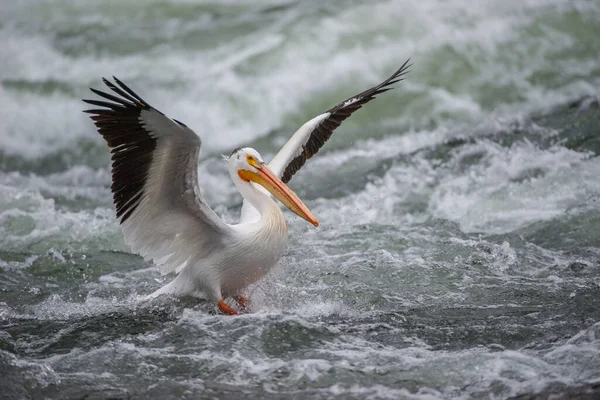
(458, 252)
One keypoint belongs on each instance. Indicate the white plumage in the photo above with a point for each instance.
(163, 214)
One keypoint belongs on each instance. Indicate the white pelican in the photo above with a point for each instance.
(161, 209)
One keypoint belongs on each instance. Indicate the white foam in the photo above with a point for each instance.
(251, 84)
(79, 182)
(380, 199)
(505, 189)
(382, 392)
(28, 221)
(511, 187)
(33, 374)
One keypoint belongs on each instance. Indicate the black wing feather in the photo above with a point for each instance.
(338, 114)
(131, 145)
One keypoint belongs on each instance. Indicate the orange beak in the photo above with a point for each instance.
(267, 179)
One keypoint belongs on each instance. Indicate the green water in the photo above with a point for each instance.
(458, 249)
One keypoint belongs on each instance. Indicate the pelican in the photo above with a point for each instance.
(162, 212)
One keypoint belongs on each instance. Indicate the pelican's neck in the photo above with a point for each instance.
(257, 196)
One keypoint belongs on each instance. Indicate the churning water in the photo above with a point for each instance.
(459, 249)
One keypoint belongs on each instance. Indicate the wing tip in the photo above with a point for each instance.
(125, 96)
(403, 70)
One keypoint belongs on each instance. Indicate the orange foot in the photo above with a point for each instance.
(225, 309)
(241, 301)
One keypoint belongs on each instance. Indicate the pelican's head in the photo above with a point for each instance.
(250, 167)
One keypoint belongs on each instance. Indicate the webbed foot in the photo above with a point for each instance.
(225, 309)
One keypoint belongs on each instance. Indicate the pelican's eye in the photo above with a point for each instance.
(251, 160)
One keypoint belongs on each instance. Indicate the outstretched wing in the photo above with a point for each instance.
(155, 181)
(311, 136)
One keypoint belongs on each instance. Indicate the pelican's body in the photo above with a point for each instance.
(253, 248)
(161, 209)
